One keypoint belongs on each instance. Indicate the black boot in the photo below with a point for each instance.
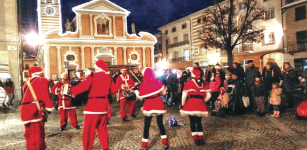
(197, 143)
(201, 142)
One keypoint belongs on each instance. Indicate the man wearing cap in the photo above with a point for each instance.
(125, 82)
(65, 107)
(30, 111)
(99, 85)
(251, 73)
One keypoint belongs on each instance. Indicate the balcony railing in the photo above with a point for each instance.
(297, 47)
(178, 44)
(186, 58)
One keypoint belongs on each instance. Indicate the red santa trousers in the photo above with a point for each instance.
(35, 136)
(64, 113)
(93, 122)
(131, 107)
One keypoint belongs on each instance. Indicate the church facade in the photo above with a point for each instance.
(100, 33)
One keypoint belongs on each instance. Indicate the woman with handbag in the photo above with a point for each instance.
(194, 96)
(149, 92)
(36, 99)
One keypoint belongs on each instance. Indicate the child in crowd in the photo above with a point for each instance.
(221, 102)
(260, 97)
(276, 99)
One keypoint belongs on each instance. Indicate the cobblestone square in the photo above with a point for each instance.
(232, 132)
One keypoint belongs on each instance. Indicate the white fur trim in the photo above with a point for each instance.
(49, 109)
(194, 133)
(153, 112)
(163, 136)
(144, 140)
(29, 121)
(191, 90)
(56, 91)
(153, 93)
(193, 113)
(62, 75)
(125, 79)
(67, 107)
(184, 97)
(200, 133)
(94, 113)
(217, 67)
(137, 93)
(100, 70)
(209, 90)
(37, 73)
(202, 85)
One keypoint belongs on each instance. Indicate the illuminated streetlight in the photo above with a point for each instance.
(32, 39)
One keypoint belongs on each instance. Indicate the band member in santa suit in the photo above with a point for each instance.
(99, 84)
(194, 96)
(125, 82)
(149, 92)
(31, 110)
(65, 107)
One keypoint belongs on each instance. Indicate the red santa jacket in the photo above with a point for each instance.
(216, 84)
(191, 88)
(124, 80)
(99, 85)
(62, 100)
(29, 111)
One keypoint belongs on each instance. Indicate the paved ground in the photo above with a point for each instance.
(233, 132)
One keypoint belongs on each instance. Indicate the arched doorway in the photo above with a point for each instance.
(276, 57)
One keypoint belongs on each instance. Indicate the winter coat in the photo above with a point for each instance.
(238, 92)
(171, 81)
(240, 71)
(275, 98)
(215, 84)
(289, 80)
(260, 89)
(221, 74)
(250, 75)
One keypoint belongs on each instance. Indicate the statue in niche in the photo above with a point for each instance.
(133, 28)
(103, 26)
(68, 26)
(134, 57)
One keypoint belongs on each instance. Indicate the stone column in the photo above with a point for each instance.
(125, 55)
(93, 55)
(80, 23)
(115, 55)
(82, 58)
(124, 29)
(47, 65)
(91, 24)
(144, 57)
(152, 56)
(114, 27)
(58, 54)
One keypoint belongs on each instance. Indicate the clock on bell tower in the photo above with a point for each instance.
(49, 15)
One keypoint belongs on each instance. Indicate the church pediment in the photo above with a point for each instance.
(100, 6)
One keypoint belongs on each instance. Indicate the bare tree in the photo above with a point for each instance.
(226, 26)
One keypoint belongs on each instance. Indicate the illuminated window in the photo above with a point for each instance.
(269, 38)
(186, 55)
(269, 14)
(247, 46)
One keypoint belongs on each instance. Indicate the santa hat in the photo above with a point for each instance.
(101, 65)
(62, 74)
(196, 73)
(122, 68)
(35, 71)
(148, 74)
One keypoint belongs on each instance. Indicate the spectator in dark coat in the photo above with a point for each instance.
(290, 79)
(239, 91)
(172, 84)
(260, 93)
(251, 73)
(117, 73)
(183, 79)
(236, 67)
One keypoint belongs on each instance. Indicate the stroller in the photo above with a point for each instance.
(232, 103)
(221, 104)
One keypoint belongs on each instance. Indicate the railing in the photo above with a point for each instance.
(178, 44)
(179, 59)
(297, 47)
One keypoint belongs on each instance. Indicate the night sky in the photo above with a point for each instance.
(147, 15)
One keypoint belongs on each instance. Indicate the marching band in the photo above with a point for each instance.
(99, 85)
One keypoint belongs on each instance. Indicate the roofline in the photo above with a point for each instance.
(79, 7)
(293, 4)
(189, 16)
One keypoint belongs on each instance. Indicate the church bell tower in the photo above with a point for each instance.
(49, 15)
